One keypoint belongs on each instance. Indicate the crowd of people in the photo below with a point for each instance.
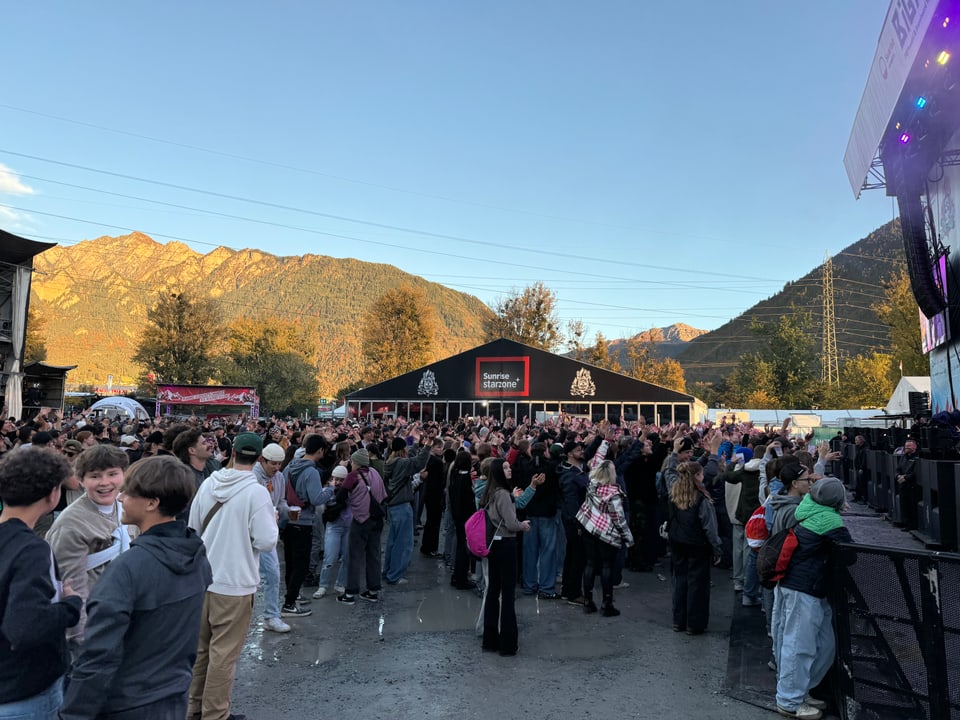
(119, 535)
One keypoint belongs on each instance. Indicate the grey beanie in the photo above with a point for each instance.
(830, 492)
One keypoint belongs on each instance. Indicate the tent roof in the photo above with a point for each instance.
(17, 250)
(548, 377)
(899, 403)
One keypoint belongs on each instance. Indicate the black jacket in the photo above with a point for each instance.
(686, 527)
(547, 497)
(33, 643)
(573, 490)
(807, 571)
(143, 623)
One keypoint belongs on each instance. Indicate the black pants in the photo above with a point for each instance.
(499, 613)
(170, 708)
(461, 560)
(364, 553)
(691, 585)
(725, 531)
(430, 540)
(297, 541)
(573, 561)
(600, 558)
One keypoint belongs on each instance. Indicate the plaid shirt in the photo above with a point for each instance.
(602, 515)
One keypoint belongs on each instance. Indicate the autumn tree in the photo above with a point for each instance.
(898, 311)
(177, 344)
(275, 357)
(645, 363)
(865, 381)
(35, 347)
(529, 317)
(398, 333)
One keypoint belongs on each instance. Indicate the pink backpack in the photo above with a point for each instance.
(477, 533)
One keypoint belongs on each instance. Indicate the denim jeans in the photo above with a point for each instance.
(316, 544)
(399, 542)
(270, 575)
(449, 532)
(540, 547)
(751, 581)
(739, 549)
(806, 644)
(336, 546)
(43, 706)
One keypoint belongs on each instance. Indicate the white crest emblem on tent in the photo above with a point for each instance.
(428, 384)
(583, 385)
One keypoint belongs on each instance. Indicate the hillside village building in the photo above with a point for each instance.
(506, 378)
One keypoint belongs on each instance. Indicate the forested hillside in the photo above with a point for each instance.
(858, 273)
(94, 298)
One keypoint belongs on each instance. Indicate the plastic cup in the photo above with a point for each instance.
(293, 512)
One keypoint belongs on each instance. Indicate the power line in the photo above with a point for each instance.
(341, 218)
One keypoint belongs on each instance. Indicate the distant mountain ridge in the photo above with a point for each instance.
(94, 298)
(859, 271)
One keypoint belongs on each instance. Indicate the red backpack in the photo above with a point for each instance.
(756, 529)
(774, 557)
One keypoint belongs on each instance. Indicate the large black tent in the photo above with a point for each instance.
(506, 377)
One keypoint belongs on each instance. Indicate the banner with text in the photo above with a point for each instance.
(503, 377)
(199, 395)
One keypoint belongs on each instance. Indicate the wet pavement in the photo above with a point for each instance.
(416, 654)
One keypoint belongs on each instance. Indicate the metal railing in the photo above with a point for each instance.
(898, 632)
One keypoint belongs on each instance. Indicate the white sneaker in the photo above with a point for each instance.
(805, 712)
(814, 702)
(319, 593)
(623, 585)
(276, 625)
(340, 589)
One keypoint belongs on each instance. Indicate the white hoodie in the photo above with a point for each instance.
(243, 528)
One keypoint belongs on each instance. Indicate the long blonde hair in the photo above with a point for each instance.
(604, 473)
(685, 489)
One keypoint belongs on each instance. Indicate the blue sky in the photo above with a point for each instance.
(650, 162)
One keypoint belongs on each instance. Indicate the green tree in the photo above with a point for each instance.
(576, 334)
(898, 311)
(177, 344)
(751, 384)
(789, 353)
(273, 356)
(644, 362)
(601, 357)
(398, 334)
(35, 347)
(529, 317)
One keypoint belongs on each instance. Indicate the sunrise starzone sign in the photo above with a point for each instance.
(503, 376)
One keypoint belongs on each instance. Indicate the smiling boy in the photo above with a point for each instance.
(144, 614)
(88, 534)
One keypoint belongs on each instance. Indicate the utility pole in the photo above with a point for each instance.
(830, 369)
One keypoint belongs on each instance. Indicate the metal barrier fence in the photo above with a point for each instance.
(898, 632)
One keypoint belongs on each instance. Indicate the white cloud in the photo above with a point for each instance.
(11, 184)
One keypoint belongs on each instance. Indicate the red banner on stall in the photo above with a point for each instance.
(205, 395)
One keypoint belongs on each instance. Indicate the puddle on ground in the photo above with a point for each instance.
(440, 610)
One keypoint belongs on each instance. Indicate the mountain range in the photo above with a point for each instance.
(94, 297)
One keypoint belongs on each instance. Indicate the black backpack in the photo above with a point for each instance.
(774, 557)
(376, 509)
